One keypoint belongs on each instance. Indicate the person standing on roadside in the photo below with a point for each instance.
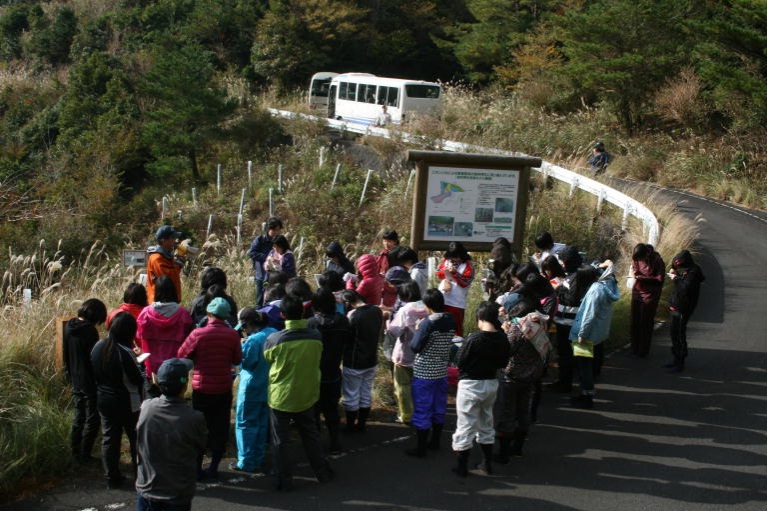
(252, 412)
(599, 160)
(119, 385)
(80, 335)
(294, 389)
(258, 252)
(485, 351)
(170, 434)
(215, 349)
(161, 261)
(648, 271)
(686, 277)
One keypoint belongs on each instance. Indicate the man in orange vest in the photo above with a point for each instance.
(162, 262)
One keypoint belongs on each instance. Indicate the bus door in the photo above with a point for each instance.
(332, 101)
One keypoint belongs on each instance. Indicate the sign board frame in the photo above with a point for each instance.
(490, 199)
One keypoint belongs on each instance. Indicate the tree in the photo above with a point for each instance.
(51, 40)
(296, 38)
(621, 51)
(183, 106)
(498, 26)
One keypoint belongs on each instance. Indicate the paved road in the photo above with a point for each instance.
(655, 441)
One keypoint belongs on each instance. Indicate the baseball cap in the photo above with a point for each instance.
(167, 232)
(174, 371)
(246, 315)
(218, 307)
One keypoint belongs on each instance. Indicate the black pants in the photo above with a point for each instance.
(564, 355)
(116, 418)
(678, 324)
(217, 410)
(85, 424)
(305, 423)
(641, 325)
(328, 404)
(515, 411)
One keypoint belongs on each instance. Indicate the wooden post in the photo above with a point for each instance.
(280, 178)
(365, 186)
(250, 174)
(335, 176)
(218, 179)
(61, 321)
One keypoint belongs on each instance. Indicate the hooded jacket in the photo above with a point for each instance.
(133, 309)
(649, 277)
(687, 284)
(79, 338)
(337, 334)
(161, 329)
(362, 352)
(593, 321)
(403, 327)
(371, 284)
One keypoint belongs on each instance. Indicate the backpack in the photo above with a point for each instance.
(534, 327)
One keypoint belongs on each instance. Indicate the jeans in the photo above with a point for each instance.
(116, 418)
(85, 424)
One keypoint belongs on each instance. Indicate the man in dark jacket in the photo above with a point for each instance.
(258, 252)
(80, 335)
(686, 277)
(170, 436)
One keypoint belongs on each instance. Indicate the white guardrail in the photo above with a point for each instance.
(630, 206)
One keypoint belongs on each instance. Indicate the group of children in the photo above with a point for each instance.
(380, 300)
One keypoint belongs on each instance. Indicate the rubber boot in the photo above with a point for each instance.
(351, 417)
(212, 471)
(434, 441)
(461, 463)
(362, 418)
(333, 432)
(421, 444)
(503, 456)
(518, 439)
(485, 465)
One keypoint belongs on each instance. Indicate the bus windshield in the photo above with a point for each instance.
(320, 86)
(422, 91)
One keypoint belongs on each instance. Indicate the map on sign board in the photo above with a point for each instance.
(470, 205)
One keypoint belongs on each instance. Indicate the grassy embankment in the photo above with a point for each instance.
(35, 402)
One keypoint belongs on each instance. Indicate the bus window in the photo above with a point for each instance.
(422, 91)
(367, 93)
(381, 99)
(392, 96)
(342, 90)
(351, 91)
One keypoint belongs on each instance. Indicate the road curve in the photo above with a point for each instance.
(655, 441)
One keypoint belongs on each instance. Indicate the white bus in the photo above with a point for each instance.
(359, 98)
(318, 90)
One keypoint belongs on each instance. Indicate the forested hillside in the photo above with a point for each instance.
(107, 104)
